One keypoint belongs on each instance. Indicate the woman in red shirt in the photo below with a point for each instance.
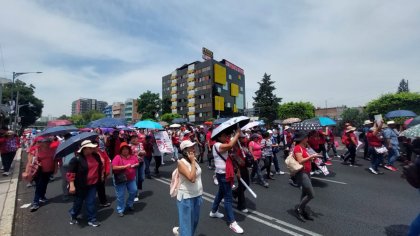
(352, 144)
(374, 141)
(303, 177)
(255, 149)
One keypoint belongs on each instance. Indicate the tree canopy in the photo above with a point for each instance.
(397, 101)
(166, 105)
(302, 110)
(265, 101)
(168, 117)
(149, 104)
(353, 116)
(403, 86)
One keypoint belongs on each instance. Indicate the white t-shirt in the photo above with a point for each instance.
(187, 189)
(218, 161)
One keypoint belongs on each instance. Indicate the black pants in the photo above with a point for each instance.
(42, 179)
(100, 188)
(240, 191)
(210, 157)
(352, 154)
(366, 153)
(267, 164)
(324, 152)
(158, 163)
(7, 159)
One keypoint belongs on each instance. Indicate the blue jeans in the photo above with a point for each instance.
(147, 161)
(415, 227)
(376, 158)
(42, 180)
(256, 170)
(276, 162)
(140, 175)
(393, 154)
(189, 214)
(89, 200)
(131, 187)
(225, 191)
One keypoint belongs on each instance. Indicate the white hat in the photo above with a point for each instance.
(186, 132)
(391, 122)
(186, 144)
(367, 122)
(350, 129)
(270, 131)
(86, 143)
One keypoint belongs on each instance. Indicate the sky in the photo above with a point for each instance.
(330, 53)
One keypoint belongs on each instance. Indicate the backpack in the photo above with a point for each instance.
(175, 183)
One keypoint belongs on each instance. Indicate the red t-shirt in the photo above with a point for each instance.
(352, 136)
(373, 140)
(122, 161)
(256, 149)
(45, 157)
(93, 166)
(288, 136)
(209, 140)
(313, 141)
(306, 165)
(322, 139)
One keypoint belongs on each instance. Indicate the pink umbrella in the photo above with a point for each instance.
(407, 122)
(54, 123)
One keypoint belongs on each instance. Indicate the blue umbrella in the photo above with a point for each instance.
(106, 122)
(148, 124)
(58, 130)
(73, 143)
(321, 121)
(400, 113)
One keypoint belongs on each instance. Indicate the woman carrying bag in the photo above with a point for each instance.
(303, 177)
(124, 167)
(190, 191)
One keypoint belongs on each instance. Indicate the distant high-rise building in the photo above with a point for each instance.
(107, 111)
(130, 111)
(84, 105)
(203, 90)
(118, 110)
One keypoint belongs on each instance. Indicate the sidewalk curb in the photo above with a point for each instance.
(8, 214)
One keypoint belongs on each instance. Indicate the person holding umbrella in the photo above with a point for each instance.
(225, 176)
(84, 173)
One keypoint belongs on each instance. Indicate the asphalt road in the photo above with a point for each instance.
(350, 201)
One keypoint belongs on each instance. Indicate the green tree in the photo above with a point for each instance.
(353, 116)
(92, 115)
(265, 100)
(166, 105)
(390, 102)
(30, 106)
(403, 86)
(301, 110)
(149, 105)
(64, 117)
(168, 117)
(77, 120)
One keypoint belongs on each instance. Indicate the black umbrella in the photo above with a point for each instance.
(230, 125)
(58, 130)
(73, 143)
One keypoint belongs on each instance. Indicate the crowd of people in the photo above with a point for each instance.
(248, 155)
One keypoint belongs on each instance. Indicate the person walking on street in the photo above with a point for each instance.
(138, 150)
(148, 148)
(239, 192)
(331, 141)
(255, 149)
(303, 177)
(64, 166)
(276, 149)
(375, 142)
(9, 144)
(392, 144)
(366, 150)
(267, 154)
(225, 177)
(84, 173)
(352, 144)
(106, 170)
(124, 167)
(189, 196)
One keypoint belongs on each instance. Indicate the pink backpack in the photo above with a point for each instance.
(173, 189)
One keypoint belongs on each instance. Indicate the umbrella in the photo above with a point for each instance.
(412, 132)
(148, 124)
(400, 113)
(220, 121)
(57, 130)
(73, 143)
(289, 121)
(106, 122)
(306, 126)
(230, 125)
(107, 130)
(414, 122)
(53, 123)
(179, 120)
(163, 123)
(321, 121)
(277, 121)
(175, 126)
(251, 125)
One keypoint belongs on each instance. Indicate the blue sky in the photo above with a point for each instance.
(342, 52)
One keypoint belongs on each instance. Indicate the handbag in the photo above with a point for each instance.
(34, 168)
(293, 165)
(381, 150)
(120, 177)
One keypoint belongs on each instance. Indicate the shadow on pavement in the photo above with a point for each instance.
(396, 230)
(104, 214)
(319, 184)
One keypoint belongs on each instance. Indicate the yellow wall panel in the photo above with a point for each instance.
(219, 103)
(219, 74)
(234, 90)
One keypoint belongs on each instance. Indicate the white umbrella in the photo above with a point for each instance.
(230, 124)
(175, 126)
(250, 125)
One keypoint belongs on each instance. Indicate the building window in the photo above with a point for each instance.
(219, 90)
(241, 89)
(225, 87)
(230, 77)
(228, 105)
(200, 114)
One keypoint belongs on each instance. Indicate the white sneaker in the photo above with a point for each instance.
(217, 214)
(372, 171)
(245, 210)
(236, 228)
(136, 199)
(280, 173)
(6, 174)
(175, 230)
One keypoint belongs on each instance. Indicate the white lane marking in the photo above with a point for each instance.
(209, 197)
(328, 180)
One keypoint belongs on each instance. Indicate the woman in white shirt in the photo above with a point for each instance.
(189, 197)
